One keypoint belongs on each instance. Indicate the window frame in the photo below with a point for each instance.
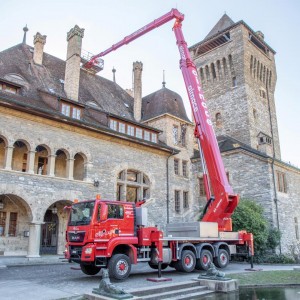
(177, 205)
(281, 182)
(3, 218)
(176, 166)
(184, 168)
(185, 197)
(71, 111)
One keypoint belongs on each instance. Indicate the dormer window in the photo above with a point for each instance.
(264, 139)
(71, 111)
(9, 88)
(132, 130)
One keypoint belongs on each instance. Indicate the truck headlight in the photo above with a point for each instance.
(88, 250)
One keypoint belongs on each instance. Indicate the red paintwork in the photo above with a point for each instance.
(111, 233)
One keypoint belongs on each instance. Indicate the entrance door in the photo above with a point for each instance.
(49, 234)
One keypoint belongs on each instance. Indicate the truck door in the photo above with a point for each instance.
(119, 221)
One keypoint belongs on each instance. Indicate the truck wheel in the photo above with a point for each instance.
(119, 266)
(187, 262)
(89, 269)
(222, 259)
(203, 262)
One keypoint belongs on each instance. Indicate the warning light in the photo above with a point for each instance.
(98, 197)
(76, 201)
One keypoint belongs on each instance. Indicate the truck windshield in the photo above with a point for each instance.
(81, 213)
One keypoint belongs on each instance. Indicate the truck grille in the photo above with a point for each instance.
(76, 237)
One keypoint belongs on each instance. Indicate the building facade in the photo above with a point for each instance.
(67, 133)
(238, 74)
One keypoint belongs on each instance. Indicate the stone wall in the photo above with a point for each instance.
(106, 158)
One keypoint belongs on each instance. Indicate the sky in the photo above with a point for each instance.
(108, 21)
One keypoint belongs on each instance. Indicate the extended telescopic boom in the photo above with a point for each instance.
(222, 205)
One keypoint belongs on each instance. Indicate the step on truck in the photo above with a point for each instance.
(115, 235)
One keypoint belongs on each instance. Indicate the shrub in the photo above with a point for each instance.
(249, 216)
(273, 259)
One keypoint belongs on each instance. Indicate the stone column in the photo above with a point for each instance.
(8, 157)
(72, 72)
(87, 167)
(51, 165)
(31, 159)
(70, 168)
(137, 90)
(34, 240)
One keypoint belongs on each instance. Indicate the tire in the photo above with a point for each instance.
(155, 267)
(222, 259)
(119, 266)
(89, 269)
(187, 262)
(175, 265)
(202, 263)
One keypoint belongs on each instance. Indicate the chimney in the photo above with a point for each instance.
(72, 72)
(39, 42)
(137, 90)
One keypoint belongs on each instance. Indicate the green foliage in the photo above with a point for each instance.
(249, 216)
(273, 238)
(273, 259)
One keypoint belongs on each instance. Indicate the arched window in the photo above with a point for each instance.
(41, 160)
(257, 69)
(132, 186)
(230, 63)
(61, 164)
(254, 68)
(19, 159)
(219, 69)
(207, 73)
(213, 71)
(251, 64)
(79, 172)
(225, 66)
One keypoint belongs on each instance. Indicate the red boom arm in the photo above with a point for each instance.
(225, 201)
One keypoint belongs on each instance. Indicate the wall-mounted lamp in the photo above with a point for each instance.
(54, 210)
(96, 182)
(1, 205)
(26, 233)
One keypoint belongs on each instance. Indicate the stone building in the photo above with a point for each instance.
(238, 73)
(68, 133)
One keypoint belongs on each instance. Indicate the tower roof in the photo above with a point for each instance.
(221, 25)
(163, 101)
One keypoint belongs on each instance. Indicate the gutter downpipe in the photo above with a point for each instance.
(168, 196)
(272, 163)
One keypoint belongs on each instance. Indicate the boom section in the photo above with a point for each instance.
(224, 203)
(174, 13)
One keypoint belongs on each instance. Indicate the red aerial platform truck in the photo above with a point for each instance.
(114, 234)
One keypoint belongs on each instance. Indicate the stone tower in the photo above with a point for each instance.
(238, 75)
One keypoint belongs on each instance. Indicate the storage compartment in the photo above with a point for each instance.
(193, 229)
(141, 216)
